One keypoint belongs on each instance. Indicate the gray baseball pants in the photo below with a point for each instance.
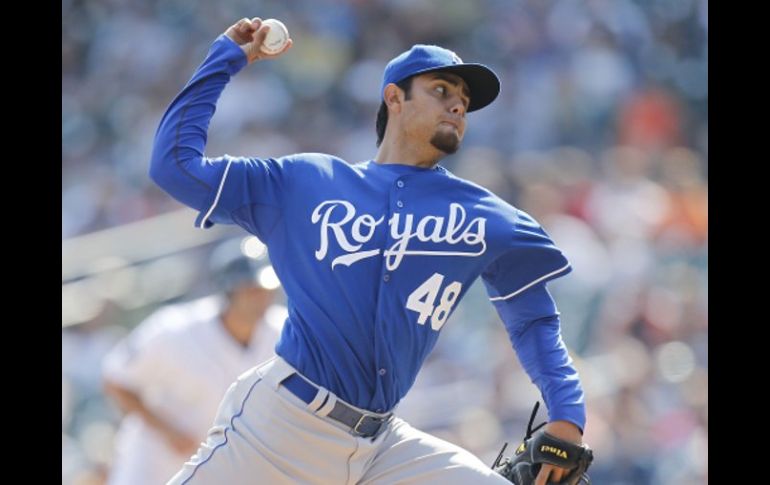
(264, 434)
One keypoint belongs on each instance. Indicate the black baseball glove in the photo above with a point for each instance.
(540, 447)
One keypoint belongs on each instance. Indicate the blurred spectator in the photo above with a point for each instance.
(685, 224)
(650, 120)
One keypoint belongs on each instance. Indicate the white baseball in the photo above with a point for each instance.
(276, 38)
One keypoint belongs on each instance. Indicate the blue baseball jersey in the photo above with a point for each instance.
(373, 257)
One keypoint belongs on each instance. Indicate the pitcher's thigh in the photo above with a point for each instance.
(411, 456)
(227, 455)
(231, 460)
(263, 436)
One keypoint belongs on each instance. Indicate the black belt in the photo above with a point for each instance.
(360, 424)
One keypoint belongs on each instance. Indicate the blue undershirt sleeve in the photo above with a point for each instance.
(225, 189)
(532, 322)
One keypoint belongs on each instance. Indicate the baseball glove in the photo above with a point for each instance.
(540, 447)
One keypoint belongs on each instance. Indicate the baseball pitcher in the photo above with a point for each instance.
(374, 256)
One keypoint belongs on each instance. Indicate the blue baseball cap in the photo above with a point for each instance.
(483, 83)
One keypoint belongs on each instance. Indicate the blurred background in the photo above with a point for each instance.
(600, 132)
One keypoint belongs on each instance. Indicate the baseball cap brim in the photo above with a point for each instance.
(483, 83)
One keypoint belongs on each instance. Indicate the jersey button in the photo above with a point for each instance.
(400, 204)
(383, 372)
(386, 278)
(400, 184)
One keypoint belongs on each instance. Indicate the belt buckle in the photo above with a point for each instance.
(355, 428)
(379, 421)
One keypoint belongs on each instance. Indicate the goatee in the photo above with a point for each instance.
(446, 142)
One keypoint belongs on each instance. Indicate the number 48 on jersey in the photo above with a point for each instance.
(422, 300)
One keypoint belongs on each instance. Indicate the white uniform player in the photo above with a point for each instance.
(177, 365)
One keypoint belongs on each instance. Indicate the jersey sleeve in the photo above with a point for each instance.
(530, 259)
(226, 189)
(248, 193)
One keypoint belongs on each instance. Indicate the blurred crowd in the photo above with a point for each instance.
(600, 132)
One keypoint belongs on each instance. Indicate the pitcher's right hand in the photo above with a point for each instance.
(250, 34)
